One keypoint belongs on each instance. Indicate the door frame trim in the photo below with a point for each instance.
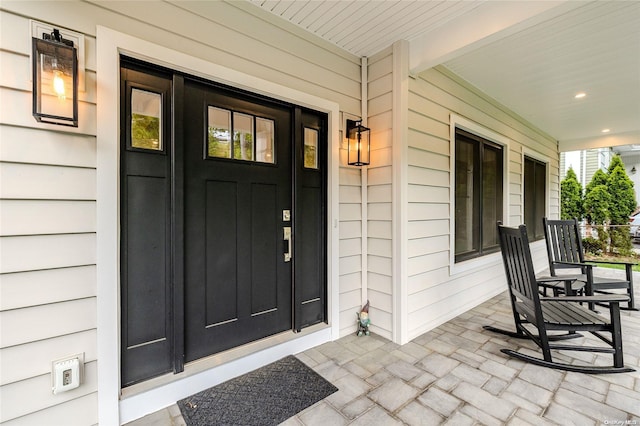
(110, 44)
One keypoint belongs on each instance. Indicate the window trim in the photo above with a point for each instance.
(456, 121)
(534, 155)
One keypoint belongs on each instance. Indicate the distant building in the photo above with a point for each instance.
(585, 163)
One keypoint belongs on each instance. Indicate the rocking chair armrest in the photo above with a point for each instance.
(557, 278)
(576, 264)
(611, 262)
(593, 299)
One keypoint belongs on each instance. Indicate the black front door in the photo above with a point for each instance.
(237, 195)
(223, 219)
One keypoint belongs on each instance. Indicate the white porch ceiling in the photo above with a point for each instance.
(532, 56)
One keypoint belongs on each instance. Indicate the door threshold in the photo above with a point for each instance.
(216, 360)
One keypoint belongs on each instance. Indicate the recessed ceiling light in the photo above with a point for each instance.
(580, 95)
(606, 130)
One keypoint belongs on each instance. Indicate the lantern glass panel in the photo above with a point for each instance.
(55, 82)
(359, 146)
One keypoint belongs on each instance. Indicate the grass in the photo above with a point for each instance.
(616, 258)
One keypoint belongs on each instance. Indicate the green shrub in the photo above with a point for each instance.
(620, 240)
(593, 246)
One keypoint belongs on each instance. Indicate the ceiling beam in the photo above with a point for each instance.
(628, 138)
(487, 23)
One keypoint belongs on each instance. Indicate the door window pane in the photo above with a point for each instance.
(146, 120)
(219, 133)
(265, 134)
(310, 148)
(242, 136)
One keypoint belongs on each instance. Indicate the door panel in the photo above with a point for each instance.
(237, 285)
(265, 229)
(220, 265)
(310, 167)
(146, 296)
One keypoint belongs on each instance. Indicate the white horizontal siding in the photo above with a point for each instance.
(38, 389)
(47, 244)
(32, 288)
(46, 252)
(34, 181)
(33, 359)
(32, 217)
(380, 193)
(36, 146)
(83, 409)
(350, 263)
(20, 114)
(20, 326)
(434, 295)
(440, 306)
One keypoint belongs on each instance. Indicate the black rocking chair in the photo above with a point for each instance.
(565, 251)
(535, 315)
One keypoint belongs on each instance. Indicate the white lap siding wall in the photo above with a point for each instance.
(380, 193)
(48, 295)
(435, 293)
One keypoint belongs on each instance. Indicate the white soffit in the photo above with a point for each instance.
(364, 28)
(537, 72)
(531, 56)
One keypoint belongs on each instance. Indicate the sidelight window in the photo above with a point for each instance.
(310, 148)
(239, 136)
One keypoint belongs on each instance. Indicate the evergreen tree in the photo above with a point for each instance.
(623, 201)
(621, 205)
(596, 199)
(571, 198)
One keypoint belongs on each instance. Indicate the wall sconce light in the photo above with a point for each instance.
(55, 80)
(359, 148)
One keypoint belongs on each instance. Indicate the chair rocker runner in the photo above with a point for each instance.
(535, 315)
(565, 251)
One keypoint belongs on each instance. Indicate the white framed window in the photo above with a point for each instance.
(478, 185)
(535, 188)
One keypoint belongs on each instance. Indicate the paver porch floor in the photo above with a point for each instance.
(456, 374)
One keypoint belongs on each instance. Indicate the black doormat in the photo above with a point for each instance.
(266, 396)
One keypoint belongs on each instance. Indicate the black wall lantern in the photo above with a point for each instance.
(55, 80)
(359, 147)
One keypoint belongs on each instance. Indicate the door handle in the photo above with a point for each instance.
(287, 243)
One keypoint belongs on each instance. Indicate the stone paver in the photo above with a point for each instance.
(322, 414)
(596, 410)
(357, 407)
(417, 414)
(404, 370)
(437, 364)
(483, 400)
(624, 399)
(440, 401)
(566, 416)
(456, 375)
(393, 394)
